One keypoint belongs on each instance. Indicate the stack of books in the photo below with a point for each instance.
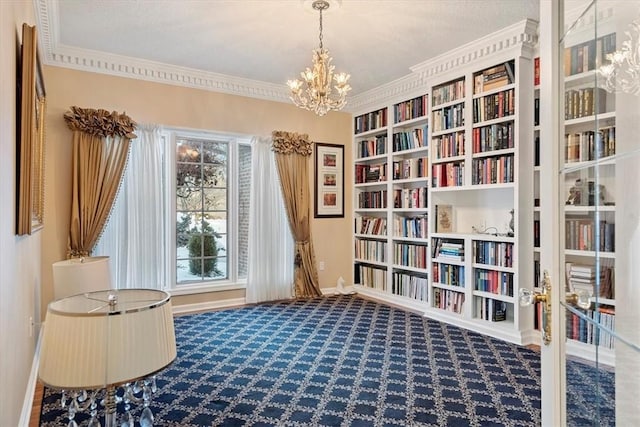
(494, 77)
(583, 278)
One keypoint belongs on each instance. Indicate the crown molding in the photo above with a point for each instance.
(57, 54)
(521, 36)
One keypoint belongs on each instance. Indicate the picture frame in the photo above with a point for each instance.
(30, 135)
(329, 180)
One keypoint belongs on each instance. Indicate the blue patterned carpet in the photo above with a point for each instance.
(337, 361)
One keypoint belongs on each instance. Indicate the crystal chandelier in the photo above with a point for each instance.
(314, 91)
(622, 73)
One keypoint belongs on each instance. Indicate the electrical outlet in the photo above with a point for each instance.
(321, 265)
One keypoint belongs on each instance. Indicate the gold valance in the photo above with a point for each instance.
(99, 122)
(291, 142)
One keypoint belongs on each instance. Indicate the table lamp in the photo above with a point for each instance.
(98, 342)
(77, 275)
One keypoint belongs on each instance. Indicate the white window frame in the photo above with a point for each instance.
(233, 282)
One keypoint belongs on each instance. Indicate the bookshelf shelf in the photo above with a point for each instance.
(498, 297)
(371, 236)
(447, 131)
(411, 122)
(494, 91)
(494, 153)
(371, 158)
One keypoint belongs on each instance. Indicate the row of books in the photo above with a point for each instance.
(417, 167)
(370, 121)
(494, 106)
(410, 109)
(371, 250)
(409, 140)
(494, 77)
(590, 145)
(580, 235)
(448, 117)
(491, 309)
(584, 102)
(493, 170)
(414, 227)
(408, 285)
(447, 174)
(448, 92)
(409, 198)
(587, 56)
(370, 173)
(496, 282)
(493, 253)
(370, 225)
(410, 255)
(448, 249)
(582, 330)
(449, 145)
(583, 277)
(371, 277)
(448, 300)
(372, 199)
(372, 147)
(448, 274)
(493, 137)
(536, 233)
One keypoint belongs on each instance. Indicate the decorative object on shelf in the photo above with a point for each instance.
(314, 91)
(30, 141)
(329, 181)
(444, 218)
(585, 193)
(98, 342)
(78, 275)
(622, 73)
(511, 231)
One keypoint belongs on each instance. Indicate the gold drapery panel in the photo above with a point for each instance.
(100, 148)
(292, 153)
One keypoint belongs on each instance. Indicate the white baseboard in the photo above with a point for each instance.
(208, 305)
(27, 404)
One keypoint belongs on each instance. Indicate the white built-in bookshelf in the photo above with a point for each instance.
(443, 192)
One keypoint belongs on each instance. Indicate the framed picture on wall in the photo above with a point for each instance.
(329, 181)
(30, 142)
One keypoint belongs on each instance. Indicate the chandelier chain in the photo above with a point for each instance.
(320, 36)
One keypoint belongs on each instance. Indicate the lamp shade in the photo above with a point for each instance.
(78, 275)
(106, 338)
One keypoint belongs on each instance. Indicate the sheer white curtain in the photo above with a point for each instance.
(134, 237)
(271, 247)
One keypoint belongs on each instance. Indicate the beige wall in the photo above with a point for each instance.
(176, 106)
(19, 256)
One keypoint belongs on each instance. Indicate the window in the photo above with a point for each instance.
(212, 177)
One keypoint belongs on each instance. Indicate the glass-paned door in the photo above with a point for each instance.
(596, 347)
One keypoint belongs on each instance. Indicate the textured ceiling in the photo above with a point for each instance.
(376, 41)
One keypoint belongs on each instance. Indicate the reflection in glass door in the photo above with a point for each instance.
(599, 230)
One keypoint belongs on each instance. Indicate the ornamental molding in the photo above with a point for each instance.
(520, 38)
(60, 55)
